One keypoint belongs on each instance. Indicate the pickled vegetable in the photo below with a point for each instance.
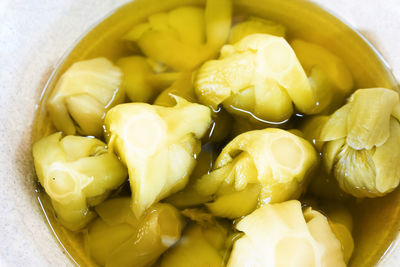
(329, 76)
(255, 25)
(77, 173)
(117, 238)
(258, 167)
(141, 83)
(82, 96)
(362, 147)
(189, 197)
(282, 235)
(259, 75)
(182, 87)
(158, 145)
(186, 36)
(200, 246)
(311, 55)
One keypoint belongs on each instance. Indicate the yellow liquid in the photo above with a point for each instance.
(376, 221)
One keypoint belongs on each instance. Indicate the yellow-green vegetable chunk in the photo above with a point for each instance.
(182, 87)
(329, 76)
(362, 143)
(259, 75)
(82, 96)
(284, 235)
(141, 82)
(200, 246)
(184, 37)
(255, 168)
(117, 238)
(311, 55)
(255, 25)
(76, 172)
(158, 145)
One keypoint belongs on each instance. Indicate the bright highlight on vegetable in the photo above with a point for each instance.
(260, 74)
(284, 235)
(255, 168)
(82, 96)
(158, 145)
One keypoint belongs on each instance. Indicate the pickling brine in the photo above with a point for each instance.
(218, 134)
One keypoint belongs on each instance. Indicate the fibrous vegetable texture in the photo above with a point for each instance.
(77, 173)
(255, 168)
(184, 37)
(142, 81)
(82, 96)
(284, 235)
(255, 25)
(362, 143)
(328, 74)
(259, 75)
(117, 238)
(158, 145)
(201, 245)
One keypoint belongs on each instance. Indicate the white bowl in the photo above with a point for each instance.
(34, 35)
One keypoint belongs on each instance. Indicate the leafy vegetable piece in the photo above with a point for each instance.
(311, 55)
(189, 197)
(274, 231)
(218, 21)
(323, 89)
(258, 167)
(182, 87)
(158, 145)
(244, 201)
(343, 234)
(366, 131)
(113, 240)
(140, 82)
(361, 148)
(311, 130)
(255, 25)
(82, 96)
(259, 75)
(341, 223)
(199, 246)
(75, 170)
(184, 37)
(336, 126)
(117, 211)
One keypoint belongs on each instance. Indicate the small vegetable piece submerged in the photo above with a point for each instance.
(255, 25)
(76, 172)
(158, 145)
(141, 82)
(83, 95)
(282, 235)
(328, 74)
(200, 246)
(261, 75)
(186, 36)
(362, 146)
(118, 239)
(258, 167)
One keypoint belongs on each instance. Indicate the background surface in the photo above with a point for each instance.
(34, 34)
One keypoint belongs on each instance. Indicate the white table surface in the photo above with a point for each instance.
(34, 34)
